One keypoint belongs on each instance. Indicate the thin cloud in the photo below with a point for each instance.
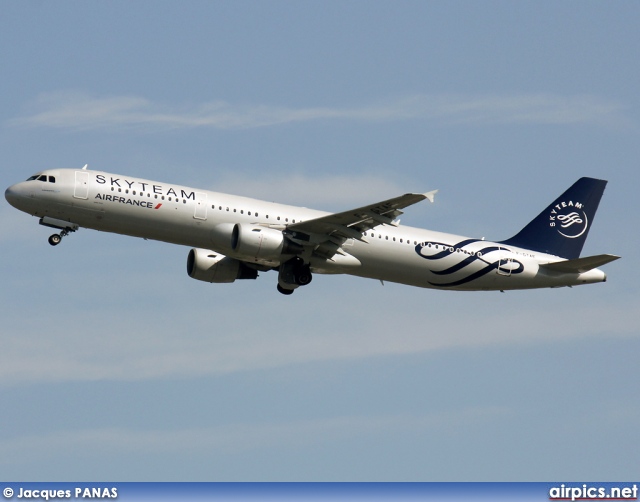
(339, 191)
(111, 353)
(234, 438)
(82, 111)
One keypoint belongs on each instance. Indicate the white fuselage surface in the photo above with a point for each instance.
(254, 235)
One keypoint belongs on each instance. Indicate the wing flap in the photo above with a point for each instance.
(324, 237)
(359, 220)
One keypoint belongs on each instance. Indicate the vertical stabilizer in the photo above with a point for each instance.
(562, 228)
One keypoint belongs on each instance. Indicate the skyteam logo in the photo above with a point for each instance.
(466, 261)
(569, 219)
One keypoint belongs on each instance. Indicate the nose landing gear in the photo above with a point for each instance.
(65, 227)
(56, 239)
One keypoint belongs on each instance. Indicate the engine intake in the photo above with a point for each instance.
(209, 266)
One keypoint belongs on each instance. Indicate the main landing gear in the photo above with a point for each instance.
(293, 273)
(283, 290)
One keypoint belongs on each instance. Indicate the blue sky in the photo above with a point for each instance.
(116, 365)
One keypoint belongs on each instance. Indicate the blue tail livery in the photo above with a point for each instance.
(562, 228)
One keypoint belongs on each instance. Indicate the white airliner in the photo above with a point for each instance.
(236, 237)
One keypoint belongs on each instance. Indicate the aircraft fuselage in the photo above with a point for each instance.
(206, 220)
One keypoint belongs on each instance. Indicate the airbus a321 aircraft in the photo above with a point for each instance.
(237, 237)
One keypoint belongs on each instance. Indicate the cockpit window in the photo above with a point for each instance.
(42, 177)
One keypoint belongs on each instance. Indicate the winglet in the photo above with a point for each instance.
(431, 195)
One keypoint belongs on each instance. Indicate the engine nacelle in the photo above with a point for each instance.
(259, 244)
(209, 266)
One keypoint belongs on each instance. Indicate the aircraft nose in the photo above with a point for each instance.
(12, 194)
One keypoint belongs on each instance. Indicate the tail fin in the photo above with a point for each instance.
(562, 228)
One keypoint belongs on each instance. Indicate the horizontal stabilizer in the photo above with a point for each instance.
(579, 265)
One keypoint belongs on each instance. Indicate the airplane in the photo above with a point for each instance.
(234, 237)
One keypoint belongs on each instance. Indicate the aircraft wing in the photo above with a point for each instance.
(338, 227)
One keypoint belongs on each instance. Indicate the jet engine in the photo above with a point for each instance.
(209, 266)
(262, 245)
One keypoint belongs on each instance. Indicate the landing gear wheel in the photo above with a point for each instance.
(55, 239)
(284, 291)
(304, 276)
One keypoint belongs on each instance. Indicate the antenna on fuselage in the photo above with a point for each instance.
(85, 167)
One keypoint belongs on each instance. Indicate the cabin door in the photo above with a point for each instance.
(505, 263)
(81, 189)
(201, 206)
